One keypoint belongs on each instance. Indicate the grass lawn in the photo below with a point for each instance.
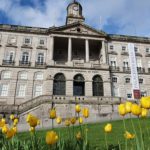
(96, 135)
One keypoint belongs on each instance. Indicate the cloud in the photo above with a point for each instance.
(117, 16)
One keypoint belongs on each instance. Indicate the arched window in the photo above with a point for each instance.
(98, 86)
(78, 85)
(40, 58)
(59, 87)
(38, 76)
(6, 75)
(25, 58)
(23, 75)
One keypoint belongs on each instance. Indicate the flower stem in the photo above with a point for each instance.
(125, 130)
(137, 141)
(106, 141)
(141, 133)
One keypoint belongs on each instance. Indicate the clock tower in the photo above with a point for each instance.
(74, 13)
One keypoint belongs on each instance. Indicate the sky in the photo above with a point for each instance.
(126, 17)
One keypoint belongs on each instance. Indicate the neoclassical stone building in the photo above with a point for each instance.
(72, 60)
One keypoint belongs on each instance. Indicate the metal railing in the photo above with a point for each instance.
(126, 69)
(114, 68)
(140, 70)
(40, 64)
(24, 63)
(8, 62)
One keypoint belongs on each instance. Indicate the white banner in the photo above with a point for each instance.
(133, 65)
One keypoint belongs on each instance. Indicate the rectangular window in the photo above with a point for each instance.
(135, 49)
(38, 90)
(125, 64)
(21, 90)
(139, 63)
(123, 48)
(143, 94)
(4, 90)
(114, 79)
(147, 50)
(41, 42)
(27, 41)
(127, 80)
(9, 56)
(6, 75)
(129, 95)
(113, 63)
(141, 81)
(111, 47)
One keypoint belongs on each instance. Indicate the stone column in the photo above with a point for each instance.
(69, 49)
(103, 52)
(87, 50)
(51, 48)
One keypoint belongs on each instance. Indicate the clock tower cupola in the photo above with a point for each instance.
(74, 13)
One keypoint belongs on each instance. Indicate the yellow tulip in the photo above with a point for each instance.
(145, 102)
(58, 120)
(128, 107)
(52, 113)
(80, 120)
(51, 137)
(15, 130)
(78, 136)
(32, 120)
(10, 133)
(136, 109)
(32, 129)
(128, 135)
(85, 112)
(67, 122)
(16, 121)
(78, 108)
(73, 120)
(2, 123)
(144, 113)
(5, 129)
(12, 117)
(122, 109)
(108, 128)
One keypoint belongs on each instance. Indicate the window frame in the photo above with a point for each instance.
(21, 92)
(4, 93)
(38, 91)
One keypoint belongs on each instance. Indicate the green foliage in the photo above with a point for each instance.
(92, 140)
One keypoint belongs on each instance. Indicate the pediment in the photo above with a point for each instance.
(79, 28)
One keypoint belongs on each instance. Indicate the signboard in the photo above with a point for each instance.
(134, 74)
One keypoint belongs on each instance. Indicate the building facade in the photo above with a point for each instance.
(70, 60)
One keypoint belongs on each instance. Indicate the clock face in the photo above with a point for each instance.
(75, 8)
